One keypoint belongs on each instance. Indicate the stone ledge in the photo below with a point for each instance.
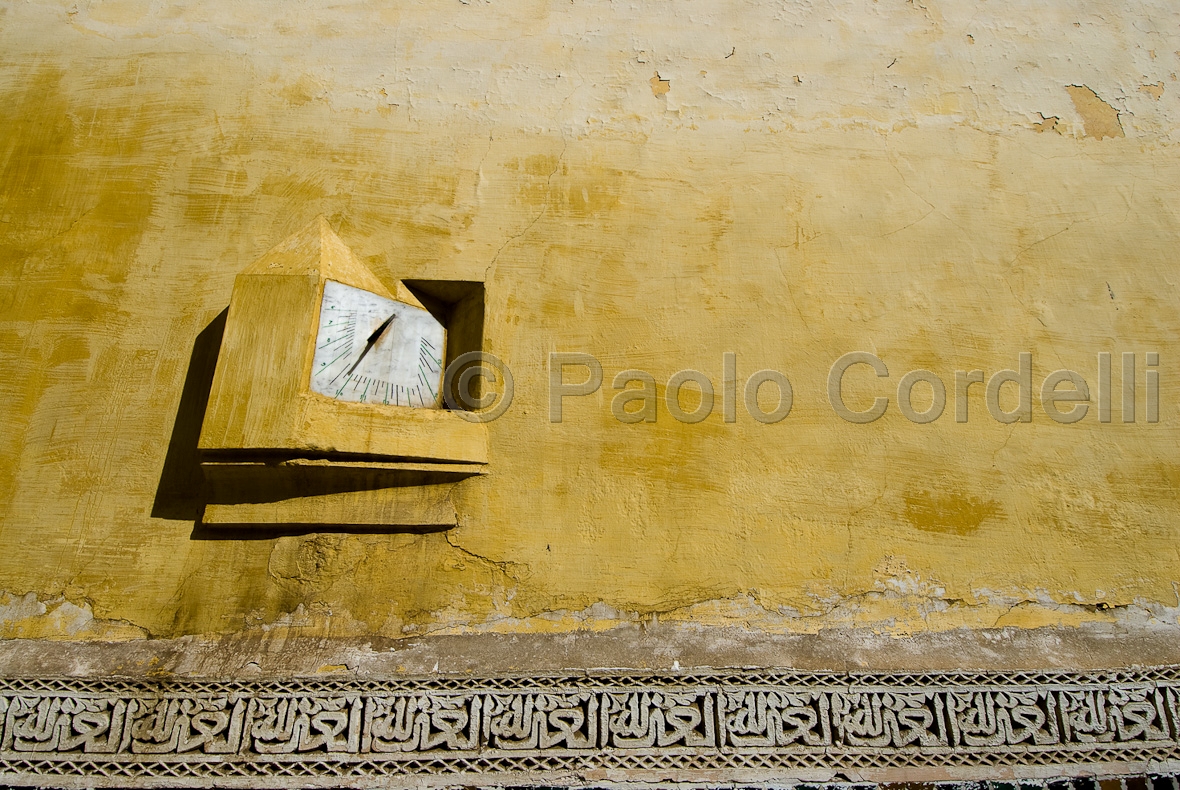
(282, 653)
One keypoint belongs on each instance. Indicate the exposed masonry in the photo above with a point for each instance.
(554, 728)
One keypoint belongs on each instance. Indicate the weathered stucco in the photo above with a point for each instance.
(945, 184)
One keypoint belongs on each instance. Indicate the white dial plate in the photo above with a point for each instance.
(399, 366)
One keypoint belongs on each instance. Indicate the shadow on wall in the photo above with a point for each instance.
(184, 491)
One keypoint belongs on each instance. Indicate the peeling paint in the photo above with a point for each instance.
(659, 87)
(29, 617)
(1155, 90)
(1099, 119)
(872, 177)
(1048, 124)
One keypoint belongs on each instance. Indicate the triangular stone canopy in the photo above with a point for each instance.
(316, 249)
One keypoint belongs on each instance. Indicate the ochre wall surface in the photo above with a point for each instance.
(943, 183)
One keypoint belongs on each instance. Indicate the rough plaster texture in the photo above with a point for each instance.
(278, 653)
(943, 183)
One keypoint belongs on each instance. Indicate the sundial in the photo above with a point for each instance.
(326, 405)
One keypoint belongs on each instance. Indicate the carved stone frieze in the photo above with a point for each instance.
(712, 724)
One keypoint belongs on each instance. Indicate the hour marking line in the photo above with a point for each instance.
(340, 339)
(427, 357)
(326, 365)
(428, 361)
(426, 381)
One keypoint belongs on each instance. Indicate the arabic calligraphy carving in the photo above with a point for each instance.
(629, 722)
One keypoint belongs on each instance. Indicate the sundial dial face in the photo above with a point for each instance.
(371, 349)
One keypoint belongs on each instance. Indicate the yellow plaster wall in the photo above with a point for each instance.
(944, 184)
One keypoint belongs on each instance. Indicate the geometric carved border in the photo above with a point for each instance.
(636, 726)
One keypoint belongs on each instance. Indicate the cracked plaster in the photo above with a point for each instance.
(785, 181)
